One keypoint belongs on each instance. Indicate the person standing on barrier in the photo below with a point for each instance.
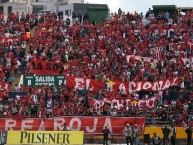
(128, 134)
(136, 132)
(189, 135)
(173, 134)
(166, 132)
(106, 133)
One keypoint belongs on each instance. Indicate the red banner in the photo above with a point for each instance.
(90, 125)
(118, 102)
(4, 40)
(125, 88)
(83, 83)
(46, 67)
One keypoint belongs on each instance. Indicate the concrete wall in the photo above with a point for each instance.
(51, 7)
(16, 7)
(61, 5)
(69, 7)
(76, 1)
(180, 137)
(180, 133)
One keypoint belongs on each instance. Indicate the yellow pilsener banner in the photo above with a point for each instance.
(45, 137)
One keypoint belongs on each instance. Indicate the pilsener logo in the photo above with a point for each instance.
(45, 138)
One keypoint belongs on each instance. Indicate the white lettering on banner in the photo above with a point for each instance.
(72, 121)
(101, 102)
(65, 82)
(44, 79)
(131, 85)
(61, 82)
(41, 127)
(128, 101)
(108, 124)
(167, 85)
(140, 104)
(88, 85)
(58, 123)
(118, 103)
(94, 126)
(160, 84)
(90, 125)
(122, 88)
(150, 102)
(175, 82)
(139, 86)
(79, 83)
(147, 85)
(155, 86)
(26, 124)
(9, 124)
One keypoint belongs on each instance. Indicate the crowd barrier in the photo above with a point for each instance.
(73, 137)
(56, 137)
(42, 137)
(172, 94)
(180, 132)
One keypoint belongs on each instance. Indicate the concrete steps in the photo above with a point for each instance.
(17, 78)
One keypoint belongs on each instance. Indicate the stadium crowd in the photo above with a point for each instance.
(98, 51)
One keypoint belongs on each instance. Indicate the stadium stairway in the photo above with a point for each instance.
(159, 121)
(17, 78)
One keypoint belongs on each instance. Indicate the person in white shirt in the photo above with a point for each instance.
(49, 107)
(16, 87)
(23, 45)
(7, 34)
(128, 133)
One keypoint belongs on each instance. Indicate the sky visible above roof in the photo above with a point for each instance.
(140, 5)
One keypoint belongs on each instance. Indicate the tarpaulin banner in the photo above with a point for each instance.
(82, 83)
(124, 87)
(4, 40)
(132, 58)
(120, 102)
(6, 86)
(90, 125)
(45, 137)
(46, 67)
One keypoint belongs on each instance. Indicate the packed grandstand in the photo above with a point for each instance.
(127, 66)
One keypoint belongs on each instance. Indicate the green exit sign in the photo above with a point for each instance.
(39, 80)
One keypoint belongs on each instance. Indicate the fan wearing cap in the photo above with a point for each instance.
(128, 134)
